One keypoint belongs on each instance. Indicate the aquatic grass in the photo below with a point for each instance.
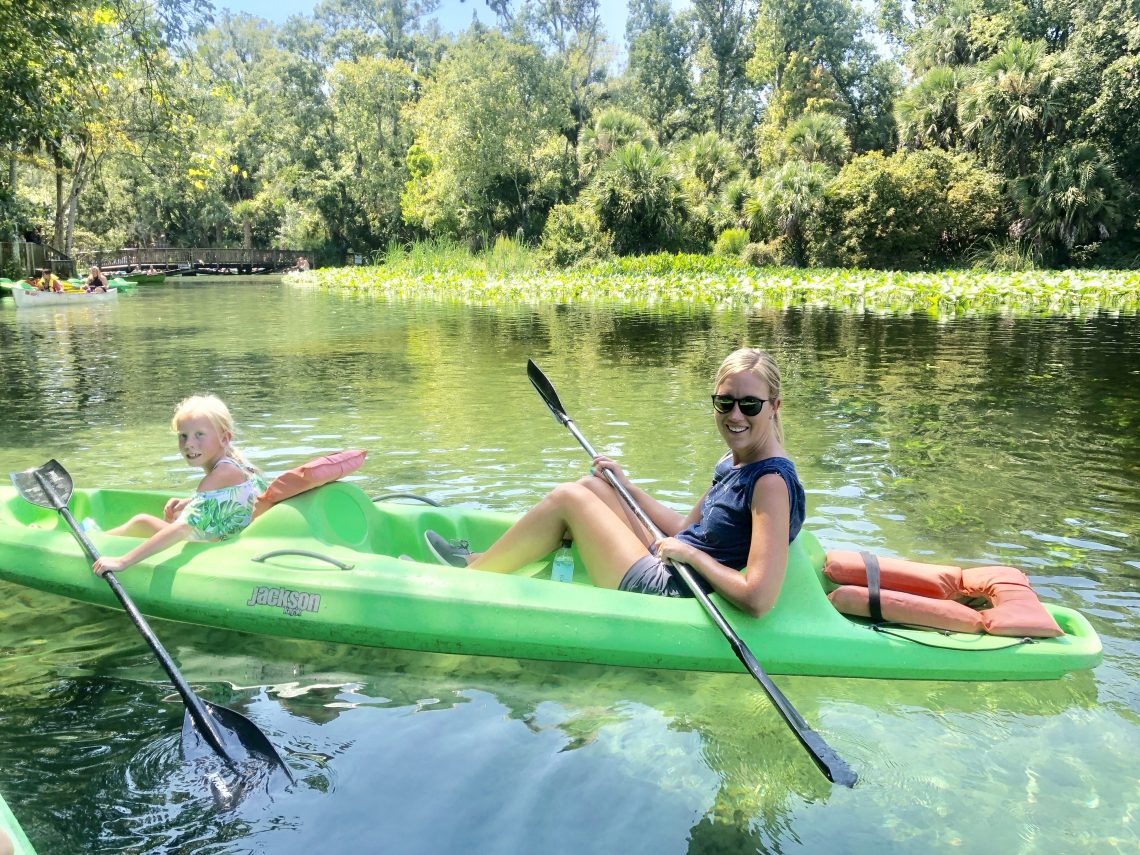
(508, 273)
(446, 255)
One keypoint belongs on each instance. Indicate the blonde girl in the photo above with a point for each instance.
(222, 504)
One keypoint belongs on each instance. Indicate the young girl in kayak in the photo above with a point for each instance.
(221, 506)
(745, 520)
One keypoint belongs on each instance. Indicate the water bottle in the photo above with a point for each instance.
(563, 568)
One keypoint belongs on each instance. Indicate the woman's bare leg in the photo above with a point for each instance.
(140, 525)
(615, 503)
(606, 543)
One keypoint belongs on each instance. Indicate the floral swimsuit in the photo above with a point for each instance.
(220, 514)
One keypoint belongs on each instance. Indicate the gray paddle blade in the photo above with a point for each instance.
(30, 488)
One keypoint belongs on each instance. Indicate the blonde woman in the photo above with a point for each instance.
(744, 522)
(222, 504)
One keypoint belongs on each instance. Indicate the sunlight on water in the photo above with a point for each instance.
(984, 440)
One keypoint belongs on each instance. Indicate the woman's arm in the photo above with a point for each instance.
(666, 519)
(160, 540)
(756, 589)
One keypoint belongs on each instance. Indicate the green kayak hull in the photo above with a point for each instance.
(10, 826)
(332, 565)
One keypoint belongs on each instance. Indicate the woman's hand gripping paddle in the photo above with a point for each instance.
(230, 734)
(830, 763)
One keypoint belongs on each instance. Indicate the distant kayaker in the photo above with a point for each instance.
(745, 520)
(221, 506)
(47, 281)
(96, 282)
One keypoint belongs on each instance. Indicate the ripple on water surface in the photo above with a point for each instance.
(982, 440)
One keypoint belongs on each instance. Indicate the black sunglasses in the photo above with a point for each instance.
(749, 406)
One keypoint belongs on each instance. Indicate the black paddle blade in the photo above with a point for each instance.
(241, 738)
(31, 490)
(546, 391)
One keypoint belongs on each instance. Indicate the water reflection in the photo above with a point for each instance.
(989, 439)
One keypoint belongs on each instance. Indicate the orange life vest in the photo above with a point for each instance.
(901, 591)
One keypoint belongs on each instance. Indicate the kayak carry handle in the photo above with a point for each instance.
(418, 498)
(340, 565)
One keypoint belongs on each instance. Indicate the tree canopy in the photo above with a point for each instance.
(362, 124)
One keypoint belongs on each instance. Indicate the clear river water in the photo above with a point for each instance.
(988, 439)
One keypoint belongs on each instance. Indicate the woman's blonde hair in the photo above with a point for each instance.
(761, 364)
(214, 410)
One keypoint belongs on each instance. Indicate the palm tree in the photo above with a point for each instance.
(927, 113)
(707, 163)
(711, 159)
(613, 129)
(733, 198)
(639, 200)
(785, 199)
(1012, 106)
(1076, 199)
(818, 138)
(945, 40)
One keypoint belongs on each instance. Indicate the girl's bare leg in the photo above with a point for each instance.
(140, 525)
(607, 544)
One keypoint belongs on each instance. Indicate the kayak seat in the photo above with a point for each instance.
(341, 514)
(338, 514)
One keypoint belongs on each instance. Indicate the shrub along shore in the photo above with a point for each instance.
(510, 273)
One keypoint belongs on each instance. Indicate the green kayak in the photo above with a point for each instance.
(333, 565)
(10, 827)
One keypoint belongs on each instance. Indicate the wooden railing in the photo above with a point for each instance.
(29, 257)
(168, 258)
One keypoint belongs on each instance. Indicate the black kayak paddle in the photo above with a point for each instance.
(230, 734)
(831, 764)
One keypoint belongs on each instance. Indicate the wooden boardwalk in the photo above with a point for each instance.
(168, 259)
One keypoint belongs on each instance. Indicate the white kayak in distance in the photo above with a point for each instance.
(26, 298)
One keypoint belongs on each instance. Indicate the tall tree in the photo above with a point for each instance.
(818, 57)
(658, 78)
(358, 28)
(368, 99)
(480, 127)
(721, 49)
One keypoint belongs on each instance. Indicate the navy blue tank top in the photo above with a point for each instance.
(724, 530)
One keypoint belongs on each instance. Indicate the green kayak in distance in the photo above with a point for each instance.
(332, 565)
(145, 278)
(10, 827)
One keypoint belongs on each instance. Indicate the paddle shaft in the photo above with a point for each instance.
(194, 705)
(834, 768)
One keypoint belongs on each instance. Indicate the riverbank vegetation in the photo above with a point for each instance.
(511, 273)
(831, 134)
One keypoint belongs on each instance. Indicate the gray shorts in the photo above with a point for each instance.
(651, 575)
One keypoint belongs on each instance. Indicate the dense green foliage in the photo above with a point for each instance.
(992, 132)
(509, 273)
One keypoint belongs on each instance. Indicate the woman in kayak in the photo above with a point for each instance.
(222, 504)
(746, 519)
(96, 282)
